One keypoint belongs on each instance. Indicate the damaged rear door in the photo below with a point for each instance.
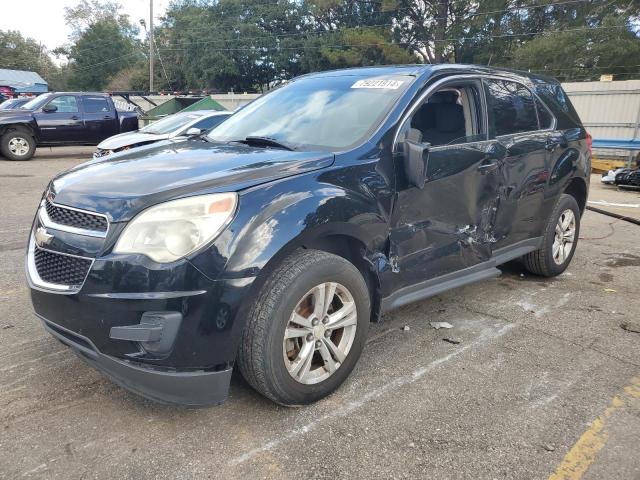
(448, 225)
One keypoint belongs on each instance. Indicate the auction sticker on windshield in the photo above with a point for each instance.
(378, 83)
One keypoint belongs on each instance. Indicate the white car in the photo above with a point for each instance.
(172, 126)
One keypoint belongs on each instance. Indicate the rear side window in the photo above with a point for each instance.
(95, 105)
(511, 108)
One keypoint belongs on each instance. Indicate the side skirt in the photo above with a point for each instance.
(475, 273)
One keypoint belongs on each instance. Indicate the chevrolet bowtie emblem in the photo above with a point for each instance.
(43, 237)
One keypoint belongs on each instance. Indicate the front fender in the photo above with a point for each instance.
(275, 219)
(17, 120)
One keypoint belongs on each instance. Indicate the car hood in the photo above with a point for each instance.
(10, 114)
(129, 138)
(123, 186)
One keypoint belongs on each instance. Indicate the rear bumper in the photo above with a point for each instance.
(189, 387)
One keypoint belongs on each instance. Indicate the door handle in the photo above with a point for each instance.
(488, 167)
(107, 117)
(75, 117)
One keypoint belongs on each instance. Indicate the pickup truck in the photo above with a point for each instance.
(61, 119)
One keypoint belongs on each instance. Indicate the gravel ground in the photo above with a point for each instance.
(544, 380)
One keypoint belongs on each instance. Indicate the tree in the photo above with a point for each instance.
(584, 54)
(19, 53)
(103, 43)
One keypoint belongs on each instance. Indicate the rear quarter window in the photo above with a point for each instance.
(554, 96)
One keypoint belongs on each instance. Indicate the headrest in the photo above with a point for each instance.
(444, 97)
(424, 118)
(449, 117)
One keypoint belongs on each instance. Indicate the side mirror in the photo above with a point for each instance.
(50, 109)
(416, 159)
(193, 131)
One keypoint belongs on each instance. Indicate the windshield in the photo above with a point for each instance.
(35, 102)
(170, 124)
(326, 112)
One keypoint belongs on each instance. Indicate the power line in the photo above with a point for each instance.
(448, 40)
(294, 34)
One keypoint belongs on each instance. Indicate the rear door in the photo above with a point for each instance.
(514, 126)
(65, 124)
(100, 118)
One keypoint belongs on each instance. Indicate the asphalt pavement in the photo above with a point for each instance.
(537, 379)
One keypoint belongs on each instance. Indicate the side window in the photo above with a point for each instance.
(209, 123)
(544, 116)
(65, 104)
(451, 116)
(511, 108)
(95, 105)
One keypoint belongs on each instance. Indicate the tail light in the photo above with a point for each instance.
(589, 142)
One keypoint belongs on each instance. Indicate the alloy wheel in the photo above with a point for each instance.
(564, 236)
(320, 333)
(19, 146)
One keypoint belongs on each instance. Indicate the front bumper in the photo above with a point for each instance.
(191, 388)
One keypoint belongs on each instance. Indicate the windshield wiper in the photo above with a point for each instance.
(266, 141)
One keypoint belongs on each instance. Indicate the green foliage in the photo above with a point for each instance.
(19, 53)
(584, 55)
(245, 45)
(103, 44)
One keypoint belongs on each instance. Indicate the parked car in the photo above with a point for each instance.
(172, 126)
(61, 119)
(271, 243)
(13, 103)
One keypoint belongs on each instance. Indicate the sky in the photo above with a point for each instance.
(45, 20)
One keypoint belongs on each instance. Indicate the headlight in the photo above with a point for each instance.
(172, 230)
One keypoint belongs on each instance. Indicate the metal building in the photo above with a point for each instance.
(22, 81)
(611, 113)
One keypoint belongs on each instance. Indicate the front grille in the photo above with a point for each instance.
(60, 269)
(74, 218)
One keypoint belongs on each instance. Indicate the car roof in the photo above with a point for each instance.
(428, 69)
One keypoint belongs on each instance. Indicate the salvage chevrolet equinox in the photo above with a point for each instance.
(271, 242)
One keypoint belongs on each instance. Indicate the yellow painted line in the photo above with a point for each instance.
(578, 460)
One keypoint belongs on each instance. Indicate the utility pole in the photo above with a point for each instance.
(151, 45)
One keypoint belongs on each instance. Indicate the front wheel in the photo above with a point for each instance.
(559, 241)
(306, 328)
(18, 144)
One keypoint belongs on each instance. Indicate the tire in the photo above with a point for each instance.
(268, 361)
(16, 141)
(547, 261)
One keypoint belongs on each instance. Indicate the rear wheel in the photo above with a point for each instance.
(306, 329)
(18, 144)
(559, 241)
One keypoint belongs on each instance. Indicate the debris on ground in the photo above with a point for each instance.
(439, 325)
(6, 327)
(610, 290)
(549, 448)
(406, 328)
(631, 327)
(454, 341)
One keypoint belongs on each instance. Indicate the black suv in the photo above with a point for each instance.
(271, 242)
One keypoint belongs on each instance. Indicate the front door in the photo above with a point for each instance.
(448, 225)
(60, 121)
